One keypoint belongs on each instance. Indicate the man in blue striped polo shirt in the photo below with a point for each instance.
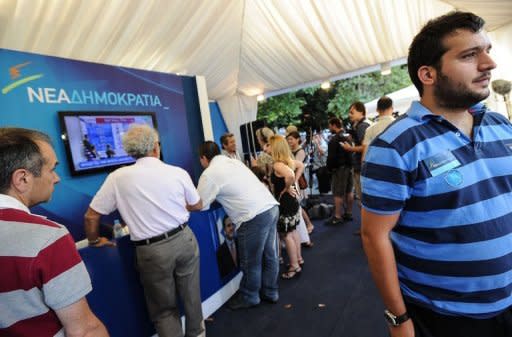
(437, 194)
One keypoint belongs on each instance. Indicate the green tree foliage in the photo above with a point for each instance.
(312, 107)
(281, 110)
(366, 88)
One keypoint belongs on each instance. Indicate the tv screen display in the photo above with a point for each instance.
(94, 139)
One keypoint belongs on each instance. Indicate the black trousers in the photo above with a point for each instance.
(428, 323)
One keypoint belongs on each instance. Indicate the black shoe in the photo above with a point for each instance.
(334, 221)
(237, 303)
(268, 299)
(348, 217)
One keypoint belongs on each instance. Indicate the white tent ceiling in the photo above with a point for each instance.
(241, 47)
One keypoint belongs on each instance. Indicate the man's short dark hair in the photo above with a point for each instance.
(224, 138)
(359, 106)
(209, 150)
(427, 48)
(384, 103)
(335, 121)
(19, 150)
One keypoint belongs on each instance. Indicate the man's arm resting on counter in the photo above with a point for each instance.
(92, 223)
(375, 232)
(195, 207)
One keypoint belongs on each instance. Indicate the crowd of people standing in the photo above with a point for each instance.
(433, 187)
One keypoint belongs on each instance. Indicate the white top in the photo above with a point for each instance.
(236, 188)
(235, 155)
(150, 195)
(376, 128)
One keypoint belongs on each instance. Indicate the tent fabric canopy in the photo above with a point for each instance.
(241, 47)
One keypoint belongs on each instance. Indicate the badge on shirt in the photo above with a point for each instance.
(453, 178)
(441, 163)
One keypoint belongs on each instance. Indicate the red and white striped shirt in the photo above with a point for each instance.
(41, 272)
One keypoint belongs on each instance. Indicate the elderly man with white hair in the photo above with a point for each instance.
(154, 199)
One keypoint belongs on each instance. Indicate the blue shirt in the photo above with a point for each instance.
(453, 239)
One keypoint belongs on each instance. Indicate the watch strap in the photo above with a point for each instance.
(395, 320)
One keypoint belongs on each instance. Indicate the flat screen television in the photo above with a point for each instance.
(93, 140)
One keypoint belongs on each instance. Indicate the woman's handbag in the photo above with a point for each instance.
(303, 183)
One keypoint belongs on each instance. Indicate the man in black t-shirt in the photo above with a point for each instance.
(339, 162)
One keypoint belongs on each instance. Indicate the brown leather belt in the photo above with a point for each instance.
(161, 236)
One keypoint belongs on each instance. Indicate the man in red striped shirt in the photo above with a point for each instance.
(44, 281)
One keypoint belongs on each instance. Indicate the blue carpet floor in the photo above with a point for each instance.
(334, 297)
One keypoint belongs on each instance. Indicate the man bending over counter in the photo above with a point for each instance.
(254, 211)
(154, 199)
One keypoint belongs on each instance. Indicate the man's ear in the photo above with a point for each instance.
(427, 75)
(20, 180)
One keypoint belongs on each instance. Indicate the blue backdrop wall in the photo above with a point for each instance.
(35, 87)
(218, 124)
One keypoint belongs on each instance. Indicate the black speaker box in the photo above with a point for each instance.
(250, 143)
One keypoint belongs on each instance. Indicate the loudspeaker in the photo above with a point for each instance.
(250, 143)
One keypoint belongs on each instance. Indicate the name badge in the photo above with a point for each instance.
(441, 163)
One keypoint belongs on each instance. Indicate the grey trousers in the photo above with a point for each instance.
(168, 267)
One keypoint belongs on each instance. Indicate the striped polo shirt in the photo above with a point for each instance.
(41, 271)
(453, 239)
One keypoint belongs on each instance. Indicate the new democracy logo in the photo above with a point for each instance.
(15, 73)
(50, 95)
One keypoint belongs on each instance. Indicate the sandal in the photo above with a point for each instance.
(301, 264)
(291, 273)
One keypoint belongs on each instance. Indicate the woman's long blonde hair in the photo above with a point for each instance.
(281, 151)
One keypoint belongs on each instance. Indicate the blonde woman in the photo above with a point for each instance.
(283, 178)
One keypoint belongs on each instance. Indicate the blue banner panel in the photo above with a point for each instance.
(218, 124)
(35, 87)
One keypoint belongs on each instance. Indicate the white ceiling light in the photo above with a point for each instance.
(325, 85)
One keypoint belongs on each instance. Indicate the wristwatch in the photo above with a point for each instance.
(395, 320)
(94, 242)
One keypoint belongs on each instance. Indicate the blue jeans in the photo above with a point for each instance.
(257, 251)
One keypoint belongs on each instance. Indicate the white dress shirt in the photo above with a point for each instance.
(150, 195)
(234, 155)
(236, 188)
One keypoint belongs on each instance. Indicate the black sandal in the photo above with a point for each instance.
(301, 264)
(291, 273)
